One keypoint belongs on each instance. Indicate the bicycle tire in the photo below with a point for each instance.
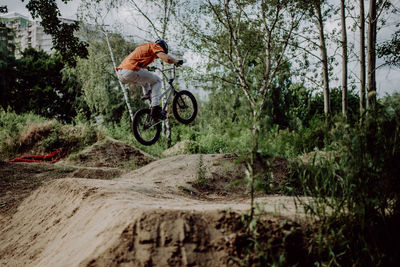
(140, 119)
(184, 107)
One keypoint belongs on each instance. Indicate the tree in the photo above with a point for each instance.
(390, 50)
(316, 12)
(371, 52)
(94, 13)
(313, 37)
(7, 63)
(252, 66)
(158, 25)
(38, 86)
(362, 60)
(376, 8)
(64, 40)
(3, 9)
(100, 85)
(344, 57)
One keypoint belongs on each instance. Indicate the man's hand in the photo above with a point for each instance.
(179, 63)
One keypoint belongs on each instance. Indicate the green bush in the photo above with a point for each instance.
(20, 133)
(11, 127)
(356, 194)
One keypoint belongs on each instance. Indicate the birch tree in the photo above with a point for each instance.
(158, 21)
(344, 57)
(313, 40)
(245, 38)
(376, 9)
(95, 14)
(362, 60)
(371, 52)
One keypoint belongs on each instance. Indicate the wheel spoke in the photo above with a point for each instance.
(184, 110)
(145, 129)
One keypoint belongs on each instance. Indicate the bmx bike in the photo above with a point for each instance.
(184, 107)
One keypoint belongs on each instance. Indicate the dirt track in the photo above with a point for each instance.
(152, 216)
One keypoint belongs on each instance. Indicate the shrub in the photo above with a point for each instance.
(356, 195)
(30, 133)
(11, 127)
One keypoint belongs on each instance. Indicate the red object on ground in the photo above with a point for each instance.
(52, 157)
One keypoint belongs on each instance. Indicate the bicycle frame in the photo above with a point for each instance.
(171, 88)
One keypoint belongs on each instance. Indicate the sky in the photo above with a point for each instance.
(388, 79)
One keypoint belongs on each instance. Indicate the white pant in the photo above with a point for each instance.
(145, 79)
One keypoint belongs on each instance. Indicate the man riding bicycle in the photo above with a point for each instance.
(133, 70)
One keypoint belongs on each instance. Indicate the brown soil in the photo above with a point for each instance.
(225, 176)
(111, 153)
(156, 215)
(18, 180)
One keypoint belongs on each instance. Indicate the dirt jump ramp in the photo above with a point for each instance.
(140, 219)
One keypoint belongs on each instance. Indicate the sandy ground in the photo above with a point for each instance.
(152, 216)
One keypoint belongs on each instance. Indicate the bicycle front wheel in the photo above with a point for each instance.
(144, 128)
(184, 107)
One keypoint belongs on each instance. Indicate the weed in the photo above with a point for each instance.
(201, 179)
(130, 165)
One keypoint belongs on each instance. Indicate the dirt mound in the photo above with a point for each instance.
(142, 218)
(33, 135)
(18, 180)
(45, 137)
(111, 153)
(183, 147)
(174, 238)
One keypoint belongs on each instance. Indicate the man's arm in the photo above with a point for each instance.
(166, 58)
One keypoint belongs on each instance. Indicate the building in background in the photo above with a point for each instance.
(27, 33)
(7, 46)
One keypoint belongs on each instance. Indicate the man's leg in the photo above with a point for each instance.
(146, 91)
(146, 77)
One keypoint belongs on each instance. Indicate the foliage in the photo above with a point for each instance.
(390, 50)
(3, 9)
(64, 40)
(30, 132)
(11, 126)
(99, 83)
(8, 73)
(356, 194)
(35, 83)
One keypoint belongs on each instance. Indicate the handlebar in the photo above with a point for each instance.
(165, 70)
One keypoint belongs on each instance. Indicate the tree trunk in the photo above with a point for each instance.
(167, 128)
(324, 56)
(344, 58)
(371, 97)
(362, 59)
(126, 96)
(166, 125)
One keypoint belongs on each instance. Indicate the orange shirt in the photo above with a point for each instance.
(141, 57)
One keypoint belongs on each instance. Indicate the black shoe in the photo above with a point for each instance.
(146, 97)
(156, 112)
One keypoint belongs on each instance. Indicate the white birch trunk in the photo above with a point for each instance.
(123, 88)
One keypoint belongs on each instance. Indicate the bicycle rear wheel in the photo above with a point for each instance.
(184, 107)
(144, 128)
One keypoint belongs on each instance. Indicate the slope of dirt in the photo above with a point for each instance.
(18, 180)
(147, 217)
(111, 153)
